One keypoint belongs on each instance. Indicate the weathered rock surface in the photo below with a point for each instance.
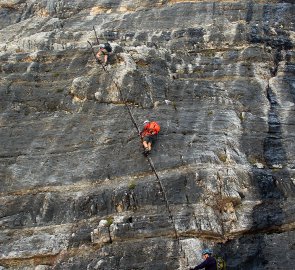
(76, 191)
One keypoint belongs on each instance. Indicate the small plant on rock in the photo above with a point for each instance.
(222, 157)
(174, 105)
(132, 185)
(241, 116)
(110, 221)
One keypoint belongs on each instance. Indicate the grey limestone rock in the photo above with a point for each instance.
(76, 191)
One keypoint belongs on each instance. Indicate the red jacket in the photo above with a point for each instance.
(151, 128)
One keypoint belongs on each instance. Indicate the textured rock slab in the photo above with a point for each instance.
(219, 78)
(47, 241)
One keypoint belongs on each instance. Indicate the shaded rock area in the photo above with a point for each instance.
(76, 191)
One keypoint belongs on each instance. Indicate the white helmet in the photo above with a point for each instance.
(146, 121)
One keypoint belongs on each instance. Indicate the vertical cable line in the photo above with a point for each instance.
(150, 161)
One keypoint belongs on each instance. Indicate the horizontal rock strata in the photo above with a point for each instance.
(76, 191)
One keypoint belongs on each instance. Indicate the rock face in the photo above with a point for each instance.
(76, 191)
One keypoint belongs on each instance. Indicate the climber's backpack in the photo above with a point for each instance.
(108, 47)
(154, 126)
(220, 262)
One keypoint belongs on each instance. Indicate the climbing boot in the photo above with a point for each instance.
(146, 152)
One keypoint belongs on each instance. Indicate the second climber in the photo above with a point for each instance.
(149, 135)
(104, 50)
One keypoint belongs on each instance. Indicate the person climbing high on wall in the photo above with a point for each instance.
(105, 50)
(209, 262)
(149, 135)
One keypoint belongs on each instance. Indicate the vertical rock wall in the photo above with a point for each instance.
(76, 191)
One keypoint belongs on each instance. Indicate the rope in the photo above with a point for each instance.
(165, 198)
(150, 161)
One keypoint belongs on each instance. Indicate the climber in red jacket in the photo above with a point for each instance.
(149, 135)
